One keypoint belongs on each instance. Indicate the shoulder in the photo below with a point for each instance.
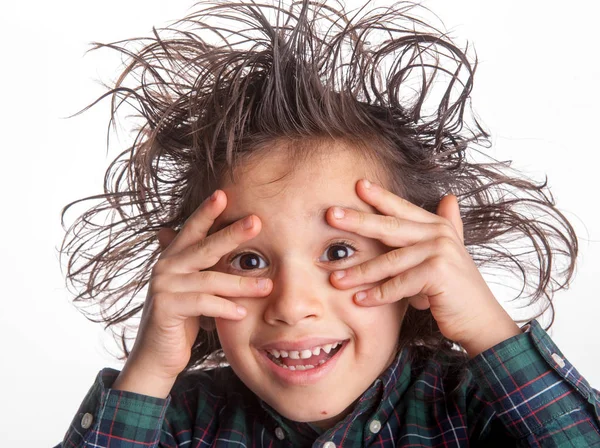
(445, 388)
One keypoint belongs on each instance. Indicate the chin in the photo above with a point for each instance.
(322, 416)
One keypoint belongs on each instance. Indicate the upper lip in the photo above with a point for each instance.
(298, 345)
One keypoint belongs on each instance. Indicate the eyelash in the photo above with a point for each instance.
(335, 243)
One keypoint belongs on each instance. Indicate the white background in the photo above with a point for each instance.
(537, 90)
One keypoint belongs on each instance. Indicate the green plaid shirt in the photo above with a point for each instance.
(521, 392)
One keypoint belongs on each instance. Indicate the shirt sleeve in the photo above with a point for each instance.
(116, 418)
(537, 396)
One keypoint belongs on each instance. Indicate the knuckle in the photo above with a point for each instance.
(437, 266)
(397, 282)
(208, 276)
(392, 256)
(404, 202)
(360, 218)
(159, 282)
(160, 301)
(199, 298)
(161, 265)
(390, 223)
(234, 233)
(200, 245)
(359, 271)
(199, 301)
(444, 244)
(445, 228)
(224, 307)
(383, 291)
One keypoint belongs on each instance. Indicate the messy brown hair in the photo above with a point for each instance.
(218, 85)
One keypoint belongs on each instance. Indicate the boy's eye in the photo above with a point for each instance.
(338, 251)
(248, 261)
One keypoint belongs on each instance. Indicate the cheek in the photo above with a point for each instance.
(234, 336)
(377, 326)
(235, 333)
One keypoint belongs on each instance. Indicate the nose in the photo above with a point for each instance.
(295, 297)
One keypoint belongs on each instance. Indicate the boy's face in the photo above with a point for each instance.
(298, 250)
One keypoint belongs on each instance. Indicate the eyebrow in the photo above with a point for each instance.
(311, 214)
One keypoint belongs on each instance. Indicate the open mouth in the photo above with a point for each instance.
(304, 359)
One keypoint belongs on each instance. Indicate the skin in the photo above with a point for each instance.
(292, 251)
(290, 219)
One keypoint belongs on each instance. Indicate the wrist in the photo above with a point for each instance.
(137, 380)
(495, 332)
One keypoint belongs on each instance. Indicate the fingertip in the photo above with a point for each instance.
(336, 278)
(256, 224)
(264, 284)
(216, 203)
(251, 223)
(364, 185)
(219, 198)
(241, 310)
(363, 303)
(360, 297)
(333, 215)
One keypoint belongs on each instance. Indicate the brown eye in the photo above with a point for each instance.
(248, 261)
(337, 252)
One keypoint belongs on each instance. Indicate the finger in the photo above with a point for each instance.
(212, 282)
(405, 285)
(449, 209)
(383, 266)
(391, 204)
(208, 251)
(195, 304)
(390, 230)
(199, 222)
(420, 302)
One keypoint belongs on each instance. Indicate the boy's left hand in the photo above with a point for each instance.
(428, 265)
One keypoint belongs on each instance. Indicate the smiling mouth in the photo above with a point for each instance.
(304, 359)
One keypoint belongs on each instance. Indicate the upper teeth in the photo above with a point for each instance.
(303, 354)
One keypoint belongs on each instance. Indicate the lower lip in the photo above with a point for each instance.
(303, 377)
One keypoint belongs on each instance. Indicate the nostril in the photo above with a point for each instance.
(291, 305)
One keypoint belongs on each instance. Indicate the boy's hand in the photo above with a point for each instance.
(181, 292)
(428, 265)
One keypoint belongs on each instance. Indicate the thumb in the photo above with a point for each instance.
(165, 236)
(449, 209)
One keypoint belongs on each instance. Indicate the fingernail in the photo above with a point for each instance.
(339, 274)
(262, 283)
(247, 223)
(241, 310)
(213, 197)
(366, 183)
(360, 296)
(338, 212)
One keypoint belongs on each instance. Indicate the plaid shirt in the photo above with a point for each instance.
(521, 392)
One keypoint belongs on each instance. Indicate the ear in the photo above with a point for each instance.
(419, 301)
(449, 209)
(165, 236)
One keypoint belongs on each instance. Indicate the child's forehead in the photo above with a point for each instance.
(280, 165)
(285, 192)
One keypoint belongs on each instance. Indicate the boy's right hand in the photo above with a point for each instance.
(182, 291)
